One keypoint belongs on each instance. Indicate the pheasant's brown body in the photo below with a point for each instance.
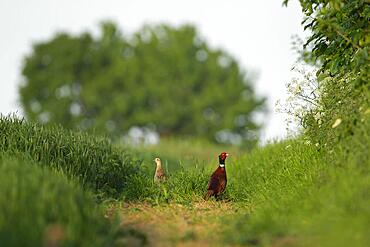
(159, 175)
(217, 183)
(218, 180)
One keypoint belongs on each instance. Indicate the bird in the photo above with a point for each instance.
(159, 175)
(218, 180)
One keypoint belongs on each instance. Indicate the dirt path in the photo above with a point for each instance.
(198, 224)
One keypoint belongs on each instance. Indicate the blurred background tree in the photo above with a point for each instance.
(161, 78)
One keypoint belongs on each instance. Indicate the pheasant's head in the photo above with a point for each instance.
(222, 157)
(158, 161)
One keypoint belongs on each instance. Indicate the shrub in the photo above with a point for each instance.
(339, 46)
(343, 108)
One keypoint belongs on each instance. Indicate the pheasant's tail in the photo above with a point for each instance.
(208, 194)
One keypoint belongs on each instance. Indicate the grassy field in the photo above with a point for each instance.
(81, 189)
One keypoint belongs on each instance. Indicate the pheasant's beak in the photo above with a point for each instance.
(227, 154)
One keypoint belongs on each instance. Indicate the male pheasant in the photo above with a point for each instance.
(159, 175)
(218, 180)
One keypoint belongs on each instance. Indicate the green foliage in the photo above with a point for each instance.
(340, 35)
(90, 160)
(163, 78)
(339, 45)
(343, 112)
(41, 208)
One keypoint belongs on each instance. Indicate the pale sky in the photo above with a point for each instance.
(257, 33)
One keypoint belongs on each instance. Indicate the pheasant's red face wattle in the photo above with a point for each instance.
(223, 155)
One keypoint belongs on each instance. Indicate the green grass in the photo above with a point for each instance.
(92, 161)
(39, 207)
(298, 195)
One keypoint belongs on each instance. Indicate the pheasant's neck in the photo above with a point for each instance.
(221, 162)
(159, 166)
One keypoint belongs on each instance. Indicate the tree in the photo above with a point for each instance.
(339, 39)
(161, 77)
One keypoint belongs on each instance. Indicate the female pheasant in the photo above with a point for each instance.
(217, 183)
(159, 175)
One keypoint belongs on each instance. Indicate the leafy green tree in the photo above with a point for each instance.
(161, 77)
(340, 35)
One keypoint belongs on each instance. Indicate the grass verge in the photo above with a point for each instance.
(41, 208)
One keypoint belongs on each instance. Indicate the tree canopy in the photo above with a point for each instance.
(340, 35)
(161, 77)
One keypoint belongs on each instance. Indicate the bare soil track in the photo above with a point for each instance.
(197, 224)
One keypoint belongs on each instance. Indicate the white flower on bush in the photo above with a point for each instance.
(302, 97)
(336, 123)
(317, 117)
